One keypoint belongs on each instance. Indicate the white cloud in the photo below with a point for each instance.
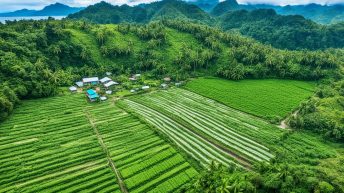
(11, 5)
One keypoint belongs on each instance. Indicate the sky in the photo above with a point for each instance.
(11, 5)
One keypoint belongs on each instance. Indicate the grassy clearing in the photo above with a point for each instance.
(205, 129)
(49, 145)
(264, 98)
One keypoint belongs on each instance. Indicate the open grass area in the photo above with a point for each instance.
(50, 145)
(269, 98)
(205, 129)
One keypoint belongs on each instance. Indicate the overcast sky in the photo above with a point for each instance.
(10, 5)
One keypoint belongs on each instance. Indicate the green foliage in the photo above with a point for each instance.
(323, 113)
(106, 13)
(287, 32)
(48, 54)
(264, 25)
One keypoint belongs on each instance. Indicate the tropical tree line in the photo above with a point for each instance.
(55, 52)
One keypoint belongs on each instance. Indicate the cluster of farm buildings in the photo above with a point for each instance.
(108, 83)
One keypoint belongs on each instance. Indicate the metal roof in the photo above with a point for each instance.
(73, 88)
(79, 84)
(91, 92)
(91, 79)
(110, 83)
(105, 79)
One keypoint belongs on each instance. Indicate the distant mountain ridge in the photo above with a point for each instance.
(323, 14)
(56, 9)
(104, 12)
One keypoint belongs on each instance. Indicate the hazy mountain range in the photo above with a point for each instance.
(319, 13)
(324, 14)
(56, 9)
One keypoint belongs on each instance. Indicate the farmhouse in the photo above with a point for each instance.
(73, 89)
(132, 79)
(108, 73)
(167, 79)
(111, 83)
(108, 92)
(103, 98)
(145, 87)
(164, 86)
(91, 80)
(92, 95)
(79, 84)
(105, 80)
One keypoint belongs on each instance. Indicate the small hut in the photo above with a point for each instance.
(105, 80)
(145, 87)
(111, 83)
(164, 86)
(92, 95)
(92, 80)
(73, 89)
(79, 84)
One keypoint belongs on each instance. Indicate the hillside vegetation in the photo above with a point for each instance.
(286, 32)
(290, 32)
(105, 13)
(49, 54)
(324, 14)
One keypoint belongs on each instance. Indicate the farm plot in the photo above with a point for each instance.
(206, 129)
(146, 162)
(48, 146)
(268, 99)
(64, 144)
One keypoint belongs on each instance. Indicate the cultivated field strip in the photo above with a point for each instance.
(199, 148)
(49, 146)
(52, 145)
(144, 160)
(178, 111)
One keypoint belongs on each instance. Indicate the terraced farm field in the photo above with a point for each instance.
(264, 98)
(64, 144)
(205, 129)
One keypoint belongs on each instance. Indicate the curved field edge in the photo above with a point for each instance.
(268, 99)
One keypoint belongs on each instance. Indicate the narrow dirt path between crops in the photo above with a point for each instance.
(108, 157)
(283, 124)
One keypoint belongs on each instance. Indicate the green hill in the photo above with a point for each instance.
(57, 53)
(106, 13)
(290, 32)
(264, 25)
(324, 14)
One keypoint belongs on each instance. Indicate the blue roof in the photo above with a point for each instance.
(93, 96)
(91, 92)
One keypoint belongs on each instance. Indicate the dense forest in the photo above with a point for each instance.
(264, 25)
(268, 27)
(324, 14)
(39, 56)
